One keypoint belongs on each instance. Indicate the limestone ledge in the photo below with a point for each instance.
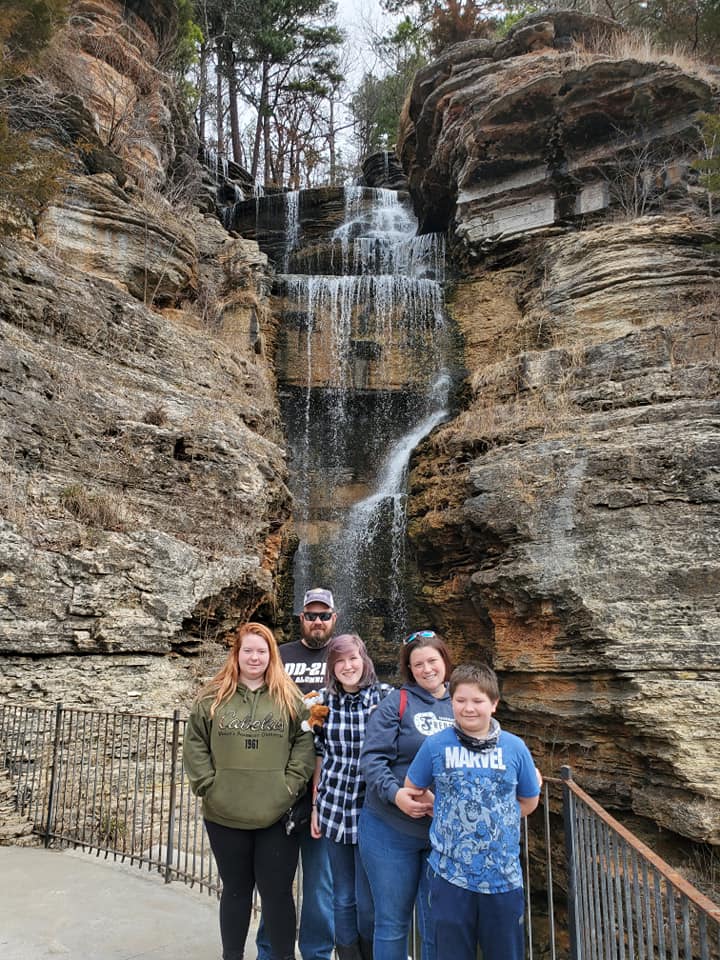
(112, 57)
(141, 246)
(142, 484)
(544, 128)
(135, 683)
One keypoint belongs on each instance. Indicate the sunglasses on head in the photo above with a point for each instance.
(424, 634)
(312, 617)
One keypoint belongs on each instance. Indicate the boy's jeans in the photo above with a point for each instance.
(463, 919)
(396, 867)
(317, 933)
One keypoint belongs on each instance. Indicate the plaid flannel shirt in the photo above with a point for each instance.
(341, 789)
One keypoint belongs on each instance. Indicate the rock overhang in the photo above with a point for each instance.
(509, 137)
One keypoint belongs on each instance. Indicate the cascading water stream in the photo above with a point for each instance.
(368, 518)
(292, 225)
(369, 332)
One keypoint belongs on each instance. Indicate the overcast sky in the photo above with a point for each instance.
(358, 18)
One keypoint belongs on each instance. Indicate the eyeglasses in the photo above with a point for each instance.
(312, 617)
(424, 634)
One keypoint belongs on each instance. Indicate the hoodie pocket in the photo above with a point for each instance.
(250, 800)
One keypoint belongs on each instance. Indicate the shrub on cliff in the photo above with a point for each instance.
(29, 174)
(29, 177)
(709, 161)
(26, 27)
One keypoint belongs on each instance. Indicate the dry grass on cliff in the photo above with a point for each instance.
(639, 45)
(103, 510)
(492, 421)
(14, 496)
(703, 870)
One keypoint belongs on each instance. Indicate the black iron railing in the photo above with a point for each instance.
(113, 784)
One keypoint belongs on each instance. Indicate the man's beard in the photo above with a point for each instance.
(316, 642)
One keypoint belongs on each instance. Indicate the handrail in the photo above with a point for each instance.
(678, 881)
(624, 901)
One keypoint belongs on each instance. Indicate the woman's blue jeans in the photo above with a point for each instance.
(396, 867)
(352, 900)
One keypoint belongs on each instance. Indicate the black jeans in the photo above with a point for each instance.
(264, 858)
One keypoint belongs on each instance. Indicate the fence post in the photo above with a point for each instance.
(571, 860)
(173, 791)
(54, 772)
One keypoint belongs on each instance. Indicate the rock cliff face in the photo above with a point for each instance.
(144, 505)
(566, 522)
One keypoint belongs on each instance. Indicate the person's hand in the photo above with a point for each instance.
(414, 802)
(314, 824)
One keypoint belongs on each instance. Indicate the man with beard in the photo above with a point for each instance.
(304, 661)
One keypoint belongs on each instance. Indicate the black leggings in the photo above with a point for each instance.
(246, 858)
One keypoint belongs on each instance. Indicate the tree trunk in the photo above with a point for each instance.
(262, 110)
(203, 101)
(267, 148)
(331, 141)
(237, 150)
(220, 113)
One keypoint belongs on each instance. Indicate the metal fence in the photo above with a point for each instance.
(624, 902)
(113, 784)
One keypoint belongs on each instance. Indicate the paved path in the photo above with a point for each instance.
(69, 905)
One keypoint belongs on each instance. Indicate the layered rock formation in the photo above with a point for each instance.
(566, 522)
(144, 505)
(506, 138)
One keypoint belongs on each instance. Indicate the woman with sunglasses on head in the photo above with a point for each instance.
(352, 693)
(395, 821)
(247, 755)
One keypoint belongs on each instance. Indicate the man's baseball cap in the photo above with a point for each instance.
(318, 595)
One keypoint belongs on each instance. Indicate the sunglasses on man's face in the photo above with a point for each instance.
(312, 617)
(424, 634)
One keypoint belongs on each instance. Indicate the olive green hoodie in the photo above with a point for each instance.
(250, 762)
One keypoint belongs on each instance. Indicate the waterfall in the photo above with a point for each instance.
(292, 224)
(367, 519)
(364, 381)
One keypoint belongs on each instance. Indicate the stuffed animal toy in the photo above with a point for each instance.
(318, 711)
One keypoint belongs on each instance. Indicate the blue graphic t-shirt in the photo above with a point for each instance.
(475, 832)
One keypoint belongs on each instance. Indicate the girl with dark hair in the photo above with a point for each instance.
(352, 693)
(395, 820)
(247, 756)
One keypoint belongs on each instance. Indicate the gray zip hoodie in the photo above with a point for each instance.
(389, 748)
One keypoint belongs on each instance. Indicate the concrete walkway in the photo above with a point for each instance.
(69, 905)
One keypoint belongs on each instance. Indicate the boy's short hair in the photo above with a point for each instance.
(480, 674)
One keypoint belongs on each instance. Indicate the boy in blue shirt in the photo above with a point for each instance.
(484, 781)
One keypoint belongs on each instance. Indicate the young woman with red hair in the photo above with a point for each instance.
(248, 758)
